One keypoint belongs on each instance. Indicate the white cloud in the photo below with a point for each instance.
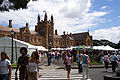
(69, 15)
(104, 7)
(118, 16)
(112, 34)
(109, 0)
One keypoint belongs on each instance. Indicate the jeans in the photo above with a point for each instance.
(4, 76)
(106, 64)
(113, 63)
(49, 61)
(85, 70)
(79, 67)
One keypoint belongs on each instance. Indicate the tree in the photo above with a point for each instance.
(104, 42)
(6, 5)
(118, 45)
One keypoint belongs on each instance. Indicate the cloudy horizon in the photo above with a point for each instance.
(72, 16)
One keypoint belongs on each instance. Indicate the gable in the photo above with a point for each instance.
(24, 30)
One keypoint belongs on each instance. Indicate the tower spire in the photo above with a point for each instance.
(38, 18)
(45, 17)
(52, 18)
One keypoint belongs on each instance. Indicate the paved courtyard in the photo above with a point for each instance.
(56, 72)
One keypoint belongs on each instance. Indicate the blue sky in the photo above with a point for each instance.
(112, 9)
(100, 17)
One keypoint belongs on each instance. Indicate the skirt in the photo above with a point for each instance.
(32, 76)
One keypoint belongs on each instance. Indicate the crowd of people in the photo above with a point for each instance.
(28, 66)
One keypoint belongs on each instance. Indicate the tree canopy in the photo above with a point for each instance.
(106, 42)
(6, 5)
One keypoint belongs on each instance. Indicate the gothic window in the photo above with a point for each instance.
(39, 39)
(18, 38)
(34, 39)
(59, 42)
(26, 39)
(71, 43)
(68, 42)
(49, 31)
(56, 41)
(31, 39)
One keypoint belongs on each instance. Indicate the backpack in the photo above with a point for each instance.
(36, 56)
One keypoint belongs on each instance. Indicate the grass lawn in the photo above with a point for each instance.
(96, 63)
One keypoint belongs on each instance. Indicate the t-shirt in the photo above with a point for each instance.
(4, 66)
(32, 67)
(22, 62)
(113, 58)
(84, 59)
(118, 57)
(68, 59)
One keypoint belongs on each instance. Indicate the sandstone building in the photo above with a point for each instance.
(44, 35)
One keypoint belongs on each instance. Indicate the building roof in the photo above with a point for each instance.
(57, 36)
(80, 36)
(67, 36)
(4, 28)
(33, 32)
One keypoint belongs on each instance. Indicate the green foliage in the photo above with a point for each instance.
(95, 63)
(13, 65)
(106, 42)
(117, 73)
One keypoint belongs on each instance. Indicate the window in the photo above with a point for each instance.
(39, 39)
(26, 39)
(31, 39)
(56, 41)
(68, 42)
(34, 39)
(71, 43)
(18, 38)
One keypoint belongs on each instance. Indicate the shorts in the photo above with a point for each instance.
(68, 67)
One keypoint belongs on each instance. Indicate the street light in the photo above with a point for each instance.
(12, 34)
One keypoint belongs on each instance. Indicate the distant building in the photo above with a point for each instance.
(44, 35)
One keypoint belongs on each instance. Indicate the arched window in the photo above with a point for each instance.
(18, 37)
(39, 39)
(35, 39)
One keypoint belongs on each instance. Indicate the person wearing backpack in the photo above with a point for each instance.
(113, 59)
(118, 59)
(79, 54)
(85, 64)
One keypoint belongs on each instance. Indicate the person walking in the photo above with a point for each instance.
(49, 58)
(118, 59)
(5, 67)
(68, 65)
(33, 67)
(85, 64)
(106, 60)
(79, 54)
(21, 64)
(113, 59)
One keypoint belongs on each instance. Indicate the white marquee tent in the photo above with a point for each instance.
(104, 48)
(6, 44)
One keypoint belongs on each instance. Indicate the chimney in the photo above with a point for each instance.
(56, 32)
(70, 34)
(63, 32)
(27, 24)
(10, 23)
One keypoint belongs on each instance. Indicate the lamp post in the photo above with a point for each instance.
(12, 34)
